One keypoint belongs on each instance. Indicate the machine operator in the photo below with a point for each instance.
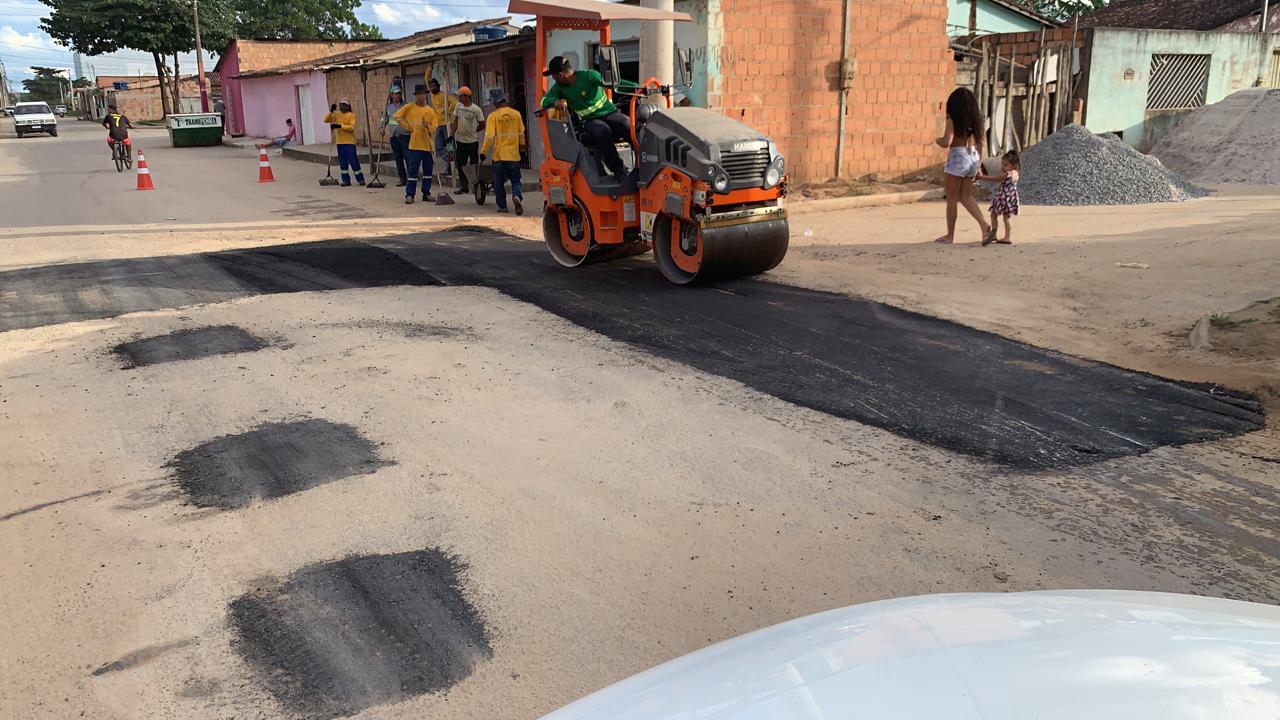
(583, 91)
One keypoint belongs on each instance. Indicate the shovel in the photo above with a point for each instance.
(328, 179)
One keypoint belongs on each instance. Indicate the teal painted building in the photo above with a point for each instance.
(986, 17)
(1141, 82)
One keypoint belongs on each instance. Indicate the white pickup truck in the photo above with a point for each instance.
(34, 117)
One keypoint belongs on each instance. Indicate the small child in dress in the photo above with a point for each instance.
(1004, 203)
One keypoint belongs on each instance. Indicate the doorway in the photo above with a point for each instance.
(302, 115)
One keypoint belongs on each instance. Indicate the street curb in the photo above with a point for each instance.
(799, 207)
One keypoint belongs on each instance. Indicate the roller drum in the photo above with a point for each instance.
(727, 251)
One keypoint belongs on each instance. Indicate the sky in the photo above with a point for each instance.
(22, 44)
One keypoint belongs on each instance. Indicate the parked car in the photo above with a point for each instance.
(9, 110)
(1064, 655)
(61, 110)
(34, 117)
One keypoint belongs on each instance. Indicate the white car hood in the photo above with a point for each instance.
(1092, 655)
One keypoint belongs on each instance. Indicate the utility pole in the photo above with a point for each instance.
(1265, 8)
(204, 90)
(657, 44)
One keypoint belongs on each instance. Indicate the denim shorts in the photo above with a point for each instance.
(962, 162)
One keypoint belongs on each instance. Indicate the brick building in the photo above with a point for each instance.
(779, 71)
(247, 56)
(410, 58)
(139, 98)
(775, 65)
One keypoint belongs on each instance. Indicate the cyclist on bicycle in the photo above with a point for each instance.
(117, 126)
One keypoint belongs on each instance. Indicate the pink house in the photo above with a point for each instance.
(267, 100)
(246, 57)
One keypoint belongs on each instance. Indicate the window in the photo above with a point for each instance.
(1178, 82)
(33, 110)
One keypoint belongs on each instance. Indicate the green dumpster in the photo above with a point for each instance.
(195, 129)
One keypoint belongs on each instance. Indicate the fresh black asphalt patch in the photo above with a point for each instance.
(188, 344)
(336, 638)
(271, 461)
(931, 380)
(34, 297)
(920, 377)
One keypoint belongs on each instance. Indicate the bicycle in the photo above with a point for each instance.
(121, 155)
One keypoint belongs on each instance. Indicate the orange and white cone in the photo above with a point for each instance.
(144, 173)
(264, 167)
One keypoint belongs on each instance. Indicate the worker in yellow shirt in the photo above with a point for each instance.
(445, 106)
(421, 119)
(343, 124)
(504, 137)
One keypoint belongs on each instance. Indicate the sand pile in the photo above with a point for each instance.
(1075, 167)
(1235, 140)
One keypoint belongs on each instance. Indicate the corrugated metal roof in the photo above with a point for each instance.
(380, 53)
(1171, 14)
(591, 10)
(462, 49)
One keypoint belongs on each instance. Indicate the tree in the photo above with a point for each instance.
(166, 27)
(1065, 9)
(300, 20)
(158, 27)
(48, 85)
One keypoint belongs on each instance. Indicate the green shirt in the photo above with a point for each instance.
(585, 96)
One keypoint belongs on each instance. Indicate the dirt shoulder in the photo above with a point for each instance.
(1069, 281)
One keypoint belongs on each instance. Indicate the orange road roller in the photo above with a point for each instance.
(704, 192)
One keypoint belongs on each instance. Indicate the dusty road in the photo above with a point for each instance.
(264, 466)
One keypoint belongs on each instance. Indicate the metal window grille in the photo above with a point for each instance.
(1178, 82)
(1275, 70)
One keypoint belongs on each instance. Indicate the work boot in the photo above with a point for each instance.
(408, 199)
(519, 206)
(503, 210)
(428, 197)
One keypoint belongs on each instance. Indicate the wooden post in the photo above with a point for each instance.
(980, 76)
(1064, 87)
(1032, 85)
(1008, 103)
(993, 96)
(1042, 115)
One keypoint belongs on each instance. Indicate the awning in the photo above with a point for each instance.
(592, 10)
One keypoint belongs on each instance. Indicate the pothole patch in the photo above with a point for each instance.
(271, 461)
(189, 344)
(336, 638)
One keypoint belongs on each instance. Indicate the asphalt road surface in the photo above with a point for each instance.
(430, 474)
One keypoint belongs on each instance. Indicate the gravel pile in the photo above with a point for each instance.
(1075, 167)
(1234, 140)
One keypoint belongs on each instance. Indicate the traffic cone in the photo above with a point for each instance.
(264, 167)
(144, 173)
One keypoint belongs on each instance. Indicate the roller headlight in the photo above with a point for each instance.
(721, 181)
(773, 175)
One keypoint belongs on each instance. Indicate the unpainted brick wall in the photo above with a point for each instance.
(1026, 45)
(143, 103)
(779, 67)
(264, 54)
(345, 82)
